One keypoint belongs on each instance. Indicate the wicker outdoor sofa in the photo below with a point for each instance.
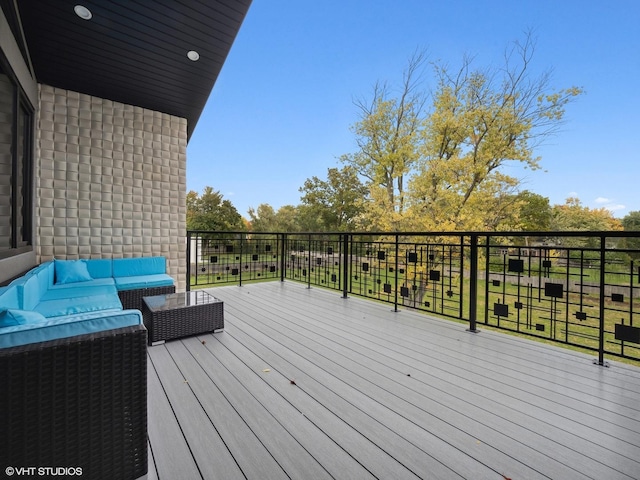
(78, 402)
(73, 368)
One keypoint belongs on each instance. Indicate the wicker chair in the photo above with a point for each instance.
(77, 402)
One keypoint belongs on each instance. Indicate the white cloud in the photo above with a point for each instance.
(609, 204)
(615, 207)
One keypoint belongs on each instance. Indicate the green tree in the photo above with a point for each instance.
(289, 219)
(534, 212)
(524, 211)
(211, 212)
(334, 204)
(631, 223)
(263, 219)
(266, 219)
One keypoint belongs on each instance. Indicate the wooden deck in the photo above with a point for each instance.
(303, 384)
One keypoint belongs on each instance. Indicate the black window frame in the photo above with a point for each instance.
(22, 170)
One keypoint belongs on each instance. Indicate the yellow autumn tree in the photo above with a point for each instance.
(482, 121)
(443, 168)
(573, 215)
(388, 136)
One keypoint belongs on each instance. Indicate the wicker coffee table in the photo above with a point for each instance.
(176, 315)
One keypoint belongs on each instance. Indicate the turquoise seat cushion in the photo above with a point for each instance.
(71, 271)
(96, 282)
(132, 267)
(143, 281)
(68, 326)
(69, 306)
(84, 289)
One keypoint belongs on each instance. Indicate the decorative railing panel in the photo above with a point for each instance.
(410, 270)
(577, 288)
(221, 258)
(314, 259)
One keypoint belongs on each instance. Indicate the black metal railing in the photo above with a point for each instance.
(577, 288)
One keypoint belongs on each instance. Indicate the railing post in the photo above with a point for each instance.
(309, 262)
(395, 301)
(603, 272)
(189, 260)
(240, 264)
(345, 265)
(461, 306)
(473, 284)
(283, 251)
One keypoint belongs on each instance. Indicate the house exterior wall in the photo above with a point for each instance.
(110, 181)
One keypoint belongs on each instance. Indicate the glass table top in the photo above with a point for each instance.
(173, 301)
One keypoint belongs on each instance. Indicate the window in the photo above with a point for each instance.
(16, 134)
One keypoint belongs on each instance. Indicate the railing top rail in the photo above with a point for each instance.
(568, 233)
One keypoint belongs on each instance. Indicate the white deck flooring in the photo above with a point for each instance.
(303, 384)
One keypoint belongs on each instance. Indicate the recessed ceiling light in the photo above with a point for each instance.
(193, 55)
(83, 12)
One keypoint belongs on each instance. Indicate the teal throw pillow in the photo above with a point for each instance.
(71, 271)
(11, 318)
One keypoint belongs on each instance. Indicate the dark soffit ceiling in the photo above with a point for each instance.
(133, 51)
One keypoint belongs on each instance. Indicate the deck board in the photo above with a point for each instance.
(380, 394)
(172, 458)
(405, 408)
(325, 451)
(208, 449)
(152, 473)
(414, 405)
(480, 395)
(562, 379)
(354, 427)
(267, 434)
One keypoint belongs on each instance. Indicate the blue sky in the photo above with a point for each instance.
(282, 107)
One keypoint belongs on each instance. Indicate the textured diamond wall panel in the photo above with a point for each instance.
(110, 181)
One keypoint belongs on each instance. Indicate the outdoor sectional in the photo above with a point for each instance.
(73, 365)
